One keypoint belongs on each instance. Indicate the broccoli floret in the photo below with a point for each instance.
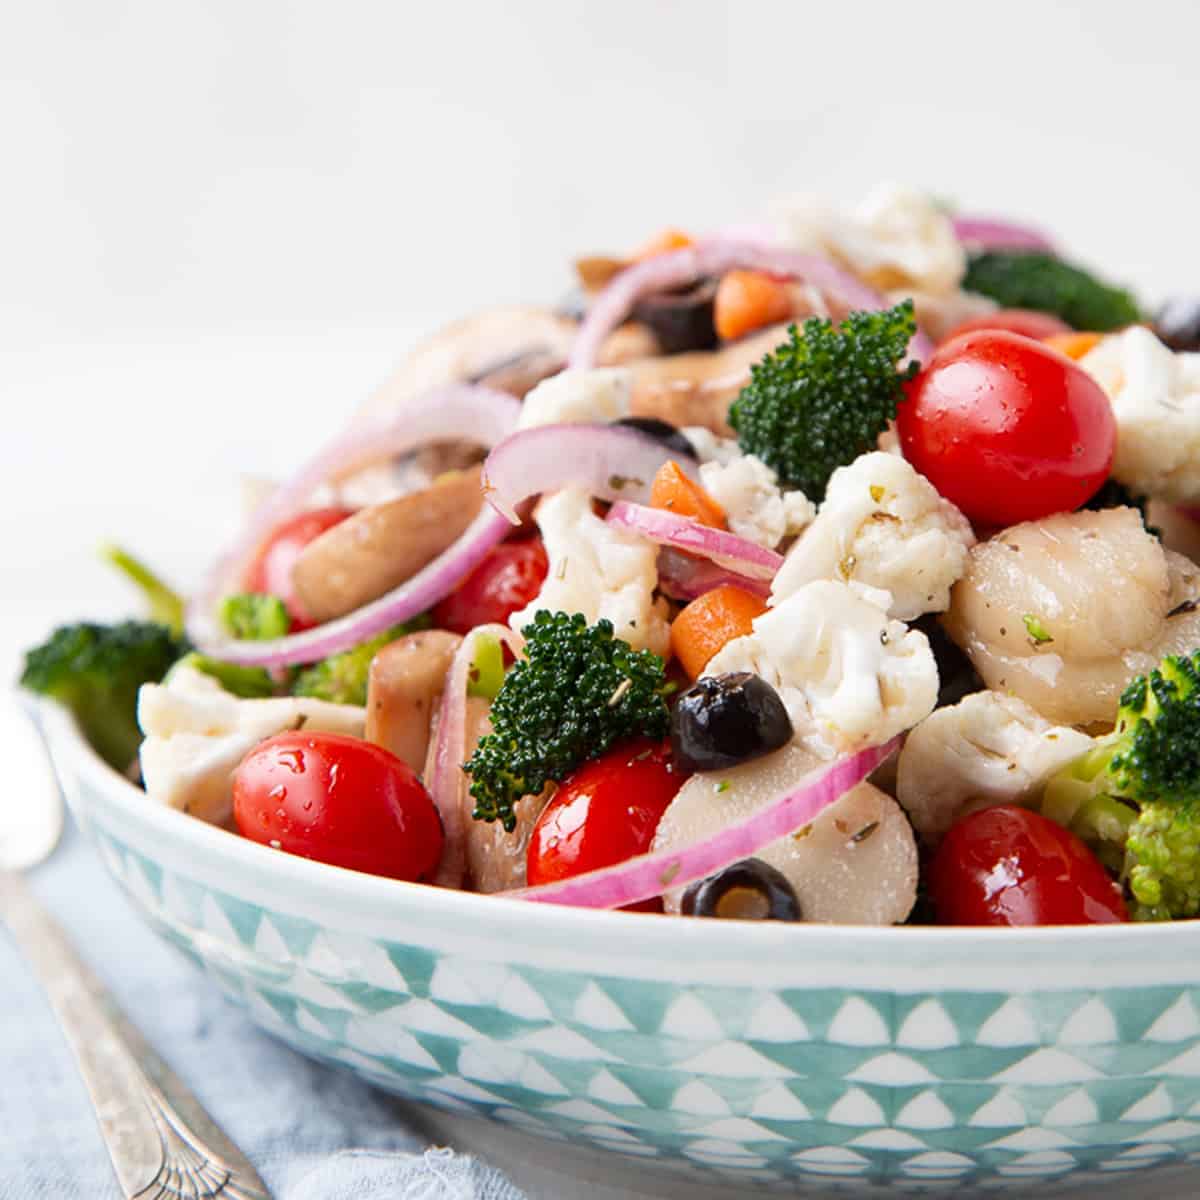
(249, 683)
(1134, 797)
(824, 396)
(165, 605)
(342, 678)
(1032, 279)
(577, 691)
(254, 617)
(96, 670)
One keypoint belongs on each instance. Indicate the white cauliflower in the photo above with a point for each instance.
(897, 239)
(1155, 395)
(197, 733)
(755, 506)
(599, 394)
(987, 749)
(711, 447)
(848, 675)
(884, 525)
(598, 570)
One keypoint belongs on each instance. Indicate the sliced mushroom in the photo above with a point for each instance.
(406, 678)
(488, 346)
(856, 864)
(379, 547)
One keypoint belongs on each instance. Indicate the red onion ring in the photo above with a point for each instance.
(649, 875)
(614, 462)
(995, 234)
(447, 780)
(715, 256)
(457, 412)
(683, 577)
(717, 545)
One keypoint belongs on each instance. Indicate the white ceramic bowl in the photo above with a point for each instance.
(807, 1055)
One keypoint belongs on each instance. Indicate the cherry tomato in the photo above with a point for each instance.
(603, 813)
(271, 570)
(1027, 322)
(338, 800)
(507, 579)
(1008, 866)
(1007, 428)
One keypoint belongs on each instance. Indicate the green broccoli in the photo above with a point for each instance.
(1134, 797)
(824, 397)
(164, 603)
(577, 691)
(342, 678)
(96, 670)
(1032, 279)
(251, 616)
(248, 683)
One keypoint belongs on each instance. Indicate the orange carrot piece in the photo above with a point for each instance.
(710, 621)
(749, 300)
(674, 491)
(1073, 345)
(663, 243)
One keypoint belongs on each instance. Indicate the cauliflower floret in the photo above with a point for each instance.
(599, 394)
(848, 676)
(884, 525)
(1155, 395)
(748, 490)
(987, 749)
(710, 447)
(197, 733)
(598, 570)
(896, 239)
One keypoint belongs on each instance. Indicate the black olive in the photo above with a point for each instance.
(750, 890)
(723, 720)
(957, 676)
(681, 320)
(661, 431)
(1178, 323)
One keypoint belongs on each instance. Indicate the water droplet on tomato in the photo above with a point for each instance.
(293, 760)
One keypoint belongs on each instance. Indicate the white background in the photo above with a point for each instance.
(222, 222)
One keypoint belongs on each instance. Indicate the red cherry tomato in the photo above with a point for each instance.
(603, 813)
(1026, 321)
(338, 800)
(1009, 866)
(507, 580)
(1007, 428)
(271, 570)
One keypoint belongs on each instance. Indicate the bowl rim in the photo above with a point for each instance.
(888, 946)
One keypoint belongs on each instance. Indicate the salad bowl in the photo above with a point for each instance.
(805, 1057)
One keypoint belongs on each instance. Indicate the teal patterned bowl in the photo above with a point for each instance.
(811, 1056)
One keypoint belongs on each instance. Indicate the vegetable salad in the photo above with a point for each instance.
(839, 570)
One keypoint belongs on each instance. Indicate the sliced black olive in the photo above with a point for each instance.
(957, 676)
(750, 890)
(662, 431)
(681, 320)
(1178, 323)
(723, 720)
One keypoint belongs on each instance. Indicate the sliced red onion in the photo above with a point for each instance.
(684, 577)
(715, 256)
(994, 234)
(447, 782)
(613, 461)
(649, 875)
(717, 545)
(455, 413)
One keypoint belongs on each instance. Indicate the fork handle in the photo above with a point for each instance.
(160, 1139)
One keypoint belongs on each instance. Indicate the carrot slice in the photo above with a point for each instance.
(749, 300)
(675, 492)
(1073, 345)
(710, 621)
(663, 243)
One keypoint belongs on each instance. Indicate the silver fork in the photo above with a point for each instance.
(161, 1141)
